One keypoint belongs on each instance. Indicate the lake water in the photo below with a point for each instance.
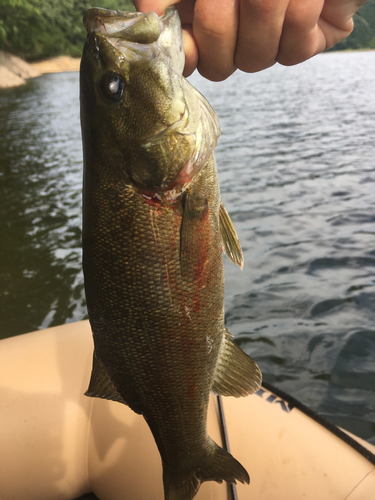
(296, 163)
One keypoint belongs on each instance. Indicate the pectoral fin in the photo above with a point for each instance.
(232, 247)
(101, 386)
(236, 373)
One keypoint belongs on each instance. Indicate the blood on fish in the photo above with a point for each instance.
(185, 175)
(154, 199)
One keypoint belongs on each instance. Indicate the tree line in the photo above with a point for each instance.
(35, 29)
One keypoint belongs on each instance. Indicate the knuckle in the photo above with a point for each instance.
(254, 66)
(300, 18)
(254, 59)
(216, 74)
(291, 58)
(262, 10)
(216, 31)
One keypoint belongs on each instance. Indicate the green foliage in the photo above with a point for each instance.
(363, 35)
(115, 5)
(43, 28)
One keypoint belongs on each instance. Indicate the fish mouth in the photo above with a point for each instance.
(140, 36)
(131, 26)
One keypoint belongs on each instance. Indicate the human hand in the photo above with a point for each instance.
(251, 35)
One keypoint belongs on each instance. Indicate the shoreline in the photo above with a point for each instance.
(14, 71)
(58, 64)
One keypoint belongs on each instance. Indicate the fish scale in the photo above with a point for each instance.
(154, 228)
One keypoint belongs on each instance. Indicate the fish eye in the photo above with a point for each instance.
(113, 85)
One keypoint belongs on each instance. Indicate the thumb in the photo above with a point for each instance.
(157, 6)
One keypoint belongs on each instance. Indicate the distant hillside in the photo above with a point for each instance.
(35, 29)
(363, 35)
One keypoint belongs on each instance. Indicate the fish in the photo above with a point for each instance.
(154, 234)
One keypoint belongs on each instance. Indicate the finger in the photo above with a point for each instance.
(336, 20)
(260, 28)
(157, 6)
(332, 34)
(302, 37)
(191, 52)
(340, 12)
(215, 32)
(186, 12)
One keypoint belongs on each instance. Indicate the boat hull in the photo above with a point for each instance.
(59, 444)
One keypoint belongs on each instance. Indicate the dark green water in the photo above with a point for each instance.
(40, 207)
(297, 168)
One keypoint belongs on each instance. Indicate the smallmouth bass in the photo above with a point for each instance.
(154, 231)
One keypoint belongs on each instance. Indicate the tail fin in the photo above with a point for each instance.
(180, 488)
(219, 466)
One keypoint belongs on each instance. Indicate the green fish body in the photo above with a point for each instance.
(154, 231)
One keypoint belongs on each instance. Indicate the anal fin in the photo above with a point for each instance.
(236, 373)
(232, 247)
(101, 386)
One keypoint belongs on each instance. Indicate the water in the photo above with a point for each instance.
(40, 206)
(297, 169)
